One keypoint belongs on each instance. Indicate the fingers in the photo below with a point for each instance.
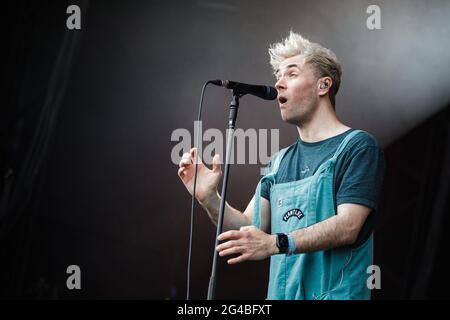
(216, 163)
(232, 247)
(193, 152)
(229, 235)
(236, 234)
(188, 158)
(232, 250)
(227, 245)
(250, 243)
(185, 162)
(235, 250)
(181, 172)
(238, 259)
(193, 155)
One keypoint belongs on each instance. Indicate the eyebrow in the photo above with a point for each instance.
(292, 65)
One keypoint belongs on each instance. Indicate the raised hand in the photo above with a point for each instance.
(207, 179)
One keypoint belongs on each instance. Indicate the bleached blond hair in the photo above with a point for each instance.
(323, 60)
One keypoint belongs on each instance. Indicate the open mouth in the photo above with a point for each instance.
(282, 100)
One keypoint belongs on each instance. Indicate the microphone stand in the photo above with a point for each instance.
(234, 105)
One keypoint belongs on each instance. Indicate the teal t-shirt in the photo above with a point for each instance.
(358, 176)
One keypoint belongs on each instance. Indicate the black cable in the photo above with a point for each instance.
(196, 144)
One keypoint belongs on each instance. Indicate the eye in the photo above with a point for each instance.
(292, 74)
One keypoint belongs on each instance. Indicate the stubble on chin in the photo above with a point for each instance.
(299, 118)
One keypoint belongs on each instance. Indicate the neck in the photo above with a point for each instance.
(323, 124)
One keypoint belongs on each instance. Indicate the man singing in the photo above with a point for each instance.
(313, 212)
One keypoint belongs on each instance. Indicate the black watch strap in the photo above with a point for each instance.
(282, 242)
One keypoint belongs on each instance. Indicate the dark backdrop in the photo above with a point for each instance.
(87, 116)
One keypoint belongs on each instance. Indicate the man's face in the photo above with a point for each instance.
(297, 90)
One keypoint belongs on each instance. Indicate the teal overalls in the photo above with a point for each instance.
(338, 273)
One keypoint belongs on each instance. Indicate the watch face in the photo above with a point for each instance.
(282, 242)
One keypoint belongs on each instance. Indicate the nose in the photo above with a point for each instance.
(280, 84)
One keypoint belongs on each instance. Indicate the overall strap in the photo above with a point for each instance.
(270, 175)
(345, 142)
(277, 160)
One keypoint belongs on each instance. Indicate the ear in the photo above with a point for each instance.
(323, 85)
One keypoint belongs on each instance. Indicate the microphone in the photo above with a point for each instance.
(263, 92)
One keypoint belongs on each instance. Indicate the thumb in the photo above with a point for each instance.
(216, 163)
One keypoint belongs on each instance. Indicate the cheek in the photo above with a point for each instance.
(302, 85)
(304, 92)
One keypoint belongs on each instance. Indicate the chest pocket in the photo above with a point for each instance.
(289, 207)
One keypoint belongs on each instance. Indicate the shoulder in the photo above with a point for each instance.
(363, 147)
(363, 140)
(361, 162)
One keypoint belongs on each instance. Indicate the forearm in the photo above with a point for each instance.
(255, 244)
(233, 218)
(327, 234)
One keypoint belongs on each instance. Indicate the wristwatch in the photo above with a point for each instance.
(282, 242)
